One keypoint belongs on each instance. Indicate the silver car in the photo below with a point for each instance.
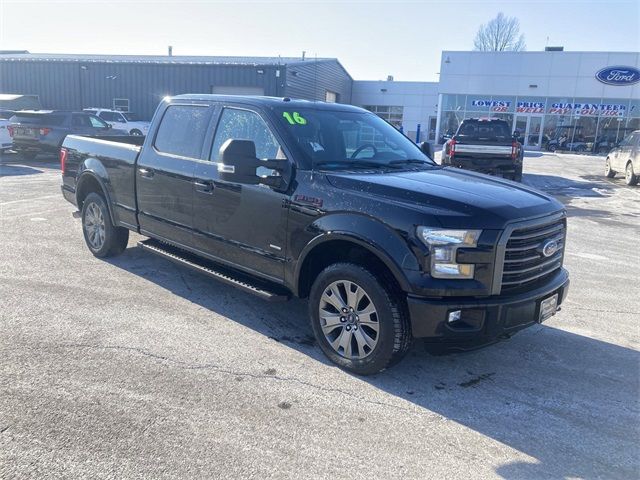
(625, 158)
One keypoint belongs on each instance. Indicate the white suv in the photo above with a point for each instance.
(121, 120)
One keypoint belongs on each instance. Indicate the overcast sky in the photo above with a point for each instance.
(372, 39)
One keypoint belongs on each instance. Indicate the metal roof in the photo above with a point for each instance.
(158, 59)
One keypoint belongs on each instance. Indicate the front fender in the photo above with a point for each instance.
(382, 241)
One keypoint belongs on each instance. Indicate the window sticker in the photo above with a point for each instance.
(295, 118)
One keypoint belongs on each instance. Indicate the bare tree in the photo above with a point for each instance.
(502, 34)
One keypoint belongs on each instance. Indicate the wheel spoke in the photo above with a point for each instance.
(333, 297)
(362, 339)
(353, 297)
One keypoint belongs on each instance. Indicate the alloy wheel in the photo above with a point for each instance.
(94, 225)
(349, 320)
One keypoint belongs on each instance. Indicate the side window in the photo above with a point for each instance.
(80, 121)
(107, 116)
(118, 117)
(182, 130)
(246, 125)
(96, 122)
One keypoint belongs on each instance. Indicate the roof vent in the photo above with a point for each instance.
(554, 49)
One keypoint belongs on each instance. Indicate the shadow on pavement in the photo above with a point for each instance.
(568, 401)
(17, 170)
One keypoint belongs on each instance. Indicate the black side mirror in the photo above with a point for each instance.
(427, 149)
(239, 164)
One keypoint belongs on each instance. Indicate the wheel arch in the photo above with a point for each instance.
(90, 182)
(342, 246)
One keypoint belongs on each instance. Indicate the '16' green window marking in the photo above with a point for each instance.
(295, 118)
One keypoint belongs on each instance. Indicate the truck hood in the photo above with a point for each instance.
(456, 198)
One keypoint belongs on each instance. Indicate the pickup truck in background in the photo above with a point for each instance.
(43, 131)
(485, 146)
(121, 120)
(328, 202)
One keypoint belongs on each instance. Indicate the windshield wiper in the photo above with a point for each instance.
(351, 164)
(411, 161)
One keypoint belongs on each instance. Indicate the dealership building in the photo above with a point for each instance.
(589, 97)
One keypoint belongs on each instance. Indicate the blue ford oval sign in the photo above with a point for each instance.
(619, 75)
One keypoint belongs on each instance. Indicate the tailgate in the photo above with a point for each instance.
(483, 151)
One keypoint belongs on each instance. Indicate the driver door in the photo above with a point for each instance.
(244, 225)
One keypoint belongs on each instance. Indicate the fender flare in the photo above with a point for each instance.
(379, 239)
(90, 173)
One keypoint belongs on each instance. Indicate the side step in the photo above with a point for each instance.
(237, 279)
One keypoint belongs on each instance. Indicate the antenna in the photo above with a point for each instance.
(315, 78)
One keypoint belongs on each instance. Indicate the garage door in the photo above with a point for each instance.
(237, 90)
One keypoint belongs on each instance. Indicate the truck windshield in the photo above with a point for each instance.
(335, 139)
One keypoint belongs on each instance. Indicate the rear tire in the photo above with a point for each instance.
(370, 331)
(101, 236)
(607, 169)
(135, 132)
(629, 176)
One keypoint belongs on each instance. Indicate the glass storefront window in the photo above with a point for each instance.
(453, 102)
(487, 104)
(449, 123)
(531, 105)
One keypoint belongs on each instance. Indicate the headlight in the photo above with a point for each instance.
(443, 245)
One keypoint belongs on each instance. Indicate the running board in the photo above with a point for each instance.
(210, 269)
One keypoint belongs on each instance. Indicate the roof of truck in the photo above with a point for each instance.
(268, 101)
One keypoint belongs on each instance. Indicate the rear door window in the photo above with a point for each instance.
(182, 130)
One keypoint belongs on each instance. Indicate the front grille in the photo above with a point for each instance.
(524, 262)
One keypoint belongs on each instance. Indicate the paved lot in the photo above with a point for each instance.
(135, 368)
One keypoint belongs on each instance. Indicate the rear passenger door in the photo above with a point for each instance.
(164, 175)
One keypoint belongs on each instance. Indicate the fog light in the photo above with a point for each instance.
(454, 316)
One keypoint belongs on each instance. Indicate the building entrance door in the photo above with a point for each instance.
(529, 129)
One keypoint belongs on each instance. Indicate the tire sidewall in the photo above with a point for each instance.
(630, 179)
(94, 198)
(382, 300)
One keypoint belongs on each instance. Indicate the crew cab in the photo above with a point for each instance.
(121, 120)
(43, 131)
(485, 145)
(288, 198)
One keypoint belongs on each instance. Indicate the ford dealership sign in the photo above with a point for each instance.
(619, 76)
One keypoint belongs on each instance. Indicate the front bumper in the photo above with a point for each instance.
(484, 320)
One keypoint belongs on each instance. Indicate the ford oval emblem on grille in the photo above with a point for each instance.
(549, 248)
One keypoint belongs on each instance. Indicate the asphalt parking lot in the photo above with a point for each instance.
(136, 368)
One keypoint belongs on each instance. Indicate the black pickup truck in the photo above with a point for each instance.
(289, 198)
(485, 146)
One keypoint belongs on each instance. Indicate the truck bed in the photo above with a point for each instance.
(111, 158)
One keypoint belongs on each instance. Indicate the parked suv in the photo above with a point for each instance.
(121, 120)
(625, 158)
(6, 142)
(485, 145)
(42, 131)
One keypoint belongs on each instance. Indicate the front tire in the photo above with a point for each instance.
(135, 132)
(101, 236)
(358, 319)
(629, 176)
(608, 170)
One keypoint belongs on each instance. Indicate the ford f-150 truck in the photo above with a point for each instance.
(485, 145)
(328, 202)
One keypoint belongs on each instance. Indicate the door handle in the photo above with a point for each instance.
(146, 172)
(204, 187)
